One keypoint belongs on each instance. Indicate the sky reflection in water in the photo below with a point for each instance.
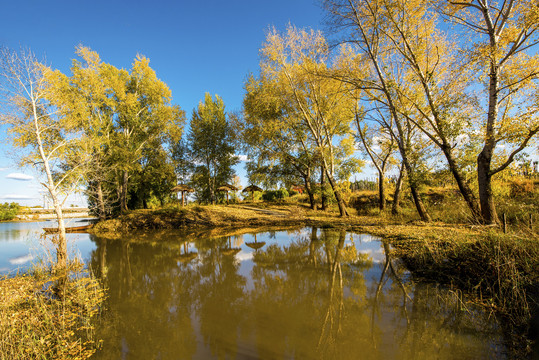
(298, 294)
(303, 295)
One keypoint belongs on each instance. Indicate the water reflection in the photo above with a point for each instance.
(304, 294)
(24, 244)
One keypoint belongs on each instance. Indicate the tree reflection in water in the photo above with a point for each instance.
(320, 294)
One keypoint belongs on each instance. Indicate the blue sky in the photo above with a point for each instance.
(194, 47)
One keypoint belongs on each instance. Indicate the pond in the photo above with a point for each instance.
(303, 293)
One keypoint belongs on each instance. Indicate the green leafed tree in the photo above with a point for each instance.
(277, 152)
(146, 119)
(212, 146)
(128, 119)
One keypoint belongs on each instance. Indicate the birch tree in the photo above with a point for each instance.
(46, 140)
(502, 51)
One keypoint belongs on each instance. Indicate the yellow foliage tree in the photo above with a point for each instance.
(317, 105)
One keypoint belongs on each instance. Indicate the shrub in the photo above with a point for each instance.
(363, 201)
(9, 211)
(272, 195)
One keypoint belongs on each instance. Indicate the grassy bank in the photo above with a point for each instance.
(222, 216)
(36, 323)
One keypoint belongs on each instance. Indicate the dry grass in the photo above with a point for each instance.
(37, 324)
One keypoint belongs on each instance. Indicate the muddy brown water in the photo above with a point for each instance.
(298, 294)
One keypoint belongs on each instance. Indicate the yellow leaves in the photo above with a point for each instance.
(295, 47)
(91, 58)
(520, 71)
(34, 324)
(295, 102)
(347, 144)
(527, 14)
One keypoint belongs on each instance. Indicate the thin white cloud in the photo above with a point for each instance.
(368, 162)
(16, 197)
(243, 157)
(20, 177)
(3, 169)
(243, 256)
(377, 256)
(19, 260)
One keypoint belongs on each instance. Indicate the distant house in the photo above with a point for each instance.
(298, 188)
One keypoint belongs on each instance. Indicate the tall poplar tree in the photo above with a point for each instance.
(503, 54)
(211, 141)
(477, 87)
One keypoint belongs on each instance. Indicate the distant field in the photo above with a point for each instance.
(42, 214)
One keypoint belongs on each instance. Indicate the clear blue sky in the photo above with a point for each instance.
(194, 47)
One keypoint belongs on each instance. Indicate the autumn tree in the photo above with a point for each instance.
(85, 98)
(367, 65)
(211, 142)
(127, 117)
(432, 91)
(437, 86)
(502, 52)
(296, 62)
(277, 152)
(432, 94)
